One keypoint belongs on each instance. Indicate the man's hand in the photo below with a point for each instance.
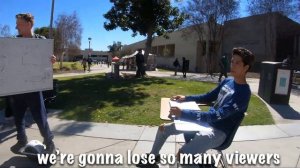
(53, 59)
(175, 111)
(179, 98)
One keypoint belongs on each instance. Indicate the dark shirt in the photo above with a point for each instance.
(139, 58)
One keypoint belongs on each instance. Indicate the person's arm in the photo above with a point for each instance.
(208, 97)
(237, 104)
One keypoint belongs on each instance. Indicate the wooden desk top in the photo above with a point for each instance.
(164, 109)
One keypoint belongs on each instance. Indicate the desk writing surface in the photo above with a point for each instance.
(202, 127)
(165, 108)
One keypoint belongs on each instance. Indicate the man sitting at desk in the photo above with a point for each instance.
(231, 99)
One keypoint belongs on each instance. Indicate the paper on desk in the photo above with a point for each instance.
(203, 128)
(184, 105)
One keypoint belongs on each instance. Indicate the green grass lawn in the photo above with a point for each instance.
(133, 101)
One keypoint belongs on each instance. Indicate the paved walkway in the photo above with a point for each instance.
(279, 142)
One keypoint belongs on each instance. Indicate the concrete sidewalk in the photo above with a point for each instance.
(78, 138)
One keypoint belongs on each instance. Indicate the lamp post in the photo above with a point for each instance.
(51, 20)
(89, 61)
(89, 46)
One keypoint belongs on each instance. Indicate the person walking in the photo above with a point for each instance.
(89, 62)
(33, 100)
(223, 67)
(83, 63)
(176, 65)
(139, 60)
(184, 66)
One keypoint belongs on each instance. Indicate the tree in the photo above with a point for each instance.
(206, 18)
(285, 7)
(44, 31)
(69, 32)
(115, 48)
(4, 31)
(146, 17)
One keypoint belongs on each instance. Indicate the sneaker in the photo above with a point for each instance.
(148, 165)
(50, 148)
(18, 147)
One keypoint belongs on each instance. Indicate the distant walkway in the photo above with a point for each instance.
(100, 68)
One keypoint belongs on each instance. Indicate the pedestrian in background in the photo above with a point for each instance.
(176, 65)
(89, 62)
(184, 66)
(223, 67)
(83, 63)
(139, 60)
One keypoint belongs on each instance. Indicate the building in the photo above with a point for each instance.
(178, 45)
(95, 55)
(271, 37)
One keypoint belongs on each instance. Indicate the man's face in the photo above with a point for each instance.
(237, 67)
(22, 26)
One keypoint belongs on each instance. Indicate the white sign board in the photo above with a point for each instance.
(282, 81)
(25, 65)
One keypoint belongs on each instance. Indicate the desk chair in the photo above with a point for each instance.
(238, 119)
(229, 139)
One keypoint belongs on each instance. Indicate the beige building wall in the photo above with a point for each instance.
(183, 47)
(271, 37)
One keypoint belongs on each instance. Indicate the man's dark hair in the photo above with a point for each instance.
(246, 55)
(26, 16)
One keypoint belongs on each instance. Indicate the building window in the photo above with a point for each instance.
(160, 50)
(169, 50)
(165, 50)
(154, 50)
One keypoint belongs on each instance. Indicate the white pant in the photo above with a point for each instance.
(199, 144)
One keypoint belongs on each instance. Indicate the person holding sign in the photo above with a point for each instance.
(34, 100)
(230, 97)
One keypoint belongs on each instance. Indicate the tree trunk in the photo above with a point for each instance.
(61, 60)
(148, 46)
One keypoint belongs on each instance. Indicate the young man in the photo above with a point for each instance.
(34, 100)
(231, 99)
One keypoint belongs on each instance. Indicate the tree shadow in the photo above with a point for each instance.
(88, 94)
(295, 91)
(22, 161)
(7, 134)
(286, 111)
(72, 128)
